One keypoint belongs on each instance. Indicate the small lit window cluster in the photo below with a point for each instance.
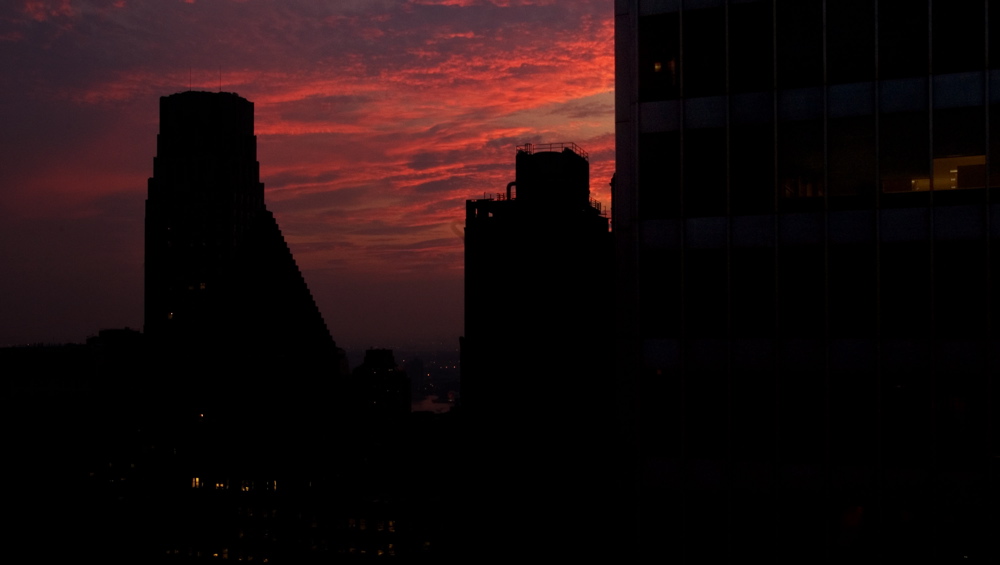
(243, 485)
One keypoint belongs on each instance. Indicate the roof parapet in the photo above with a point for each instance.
(530, 148)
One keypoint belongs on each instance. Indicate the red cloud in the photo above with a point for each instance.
(42, 10)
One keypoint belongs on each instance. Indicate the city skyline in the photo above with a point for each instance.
(376, 121)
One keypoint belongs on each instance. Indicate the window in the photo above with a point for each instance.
(799, 43)
(902, 39)
(659, 57)
(851, 146)
(705, 172)
(704, 64)
(904, 152)
(959, 40)
(850, 41)
(751, 47)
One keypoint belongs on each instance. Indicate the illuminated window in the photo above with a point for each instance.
(195, 482)
(959, 172)
(950, 173)
(659, 52)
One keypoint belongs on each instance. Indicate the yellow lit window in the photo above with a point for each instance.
(952, 173)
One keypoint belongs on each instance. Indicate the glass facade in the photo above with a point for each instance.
(807, 210)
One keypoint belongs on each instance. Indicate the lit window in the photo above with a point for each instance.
(196, 483)
(952, 173)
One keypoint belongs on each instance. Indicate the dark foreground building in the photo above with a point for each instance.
(807, 219)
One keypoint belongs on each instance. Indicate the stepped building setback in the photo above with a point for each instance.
(219, 275)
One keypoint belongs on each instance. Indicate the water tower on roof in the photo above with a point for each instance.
(552, 172)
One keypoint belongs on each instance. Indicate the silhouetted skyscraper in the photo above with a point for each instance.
(221, 283)
(536, 261)
(806, 222)
(536, 354)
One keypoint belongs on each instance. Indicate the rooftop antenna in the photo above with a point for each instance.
(220, 78)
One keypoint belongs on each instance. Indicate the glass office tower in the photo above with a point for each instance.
(807, 214)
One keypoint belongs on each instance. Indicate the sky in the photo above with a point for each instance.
(376, 120)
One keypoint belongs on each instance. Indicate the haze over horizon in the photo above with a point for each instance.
(375, 121)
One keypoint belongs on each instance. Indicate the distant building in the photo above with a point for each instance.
(381, 390)
(806, 216)
(221, 284)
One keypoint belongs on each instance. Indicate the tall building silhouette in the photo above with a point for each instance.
(535, 355)
(221, 284)
(536, 260)
(807, 216)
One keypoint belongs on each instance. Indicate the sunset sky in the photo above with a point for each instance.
(375, 120)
